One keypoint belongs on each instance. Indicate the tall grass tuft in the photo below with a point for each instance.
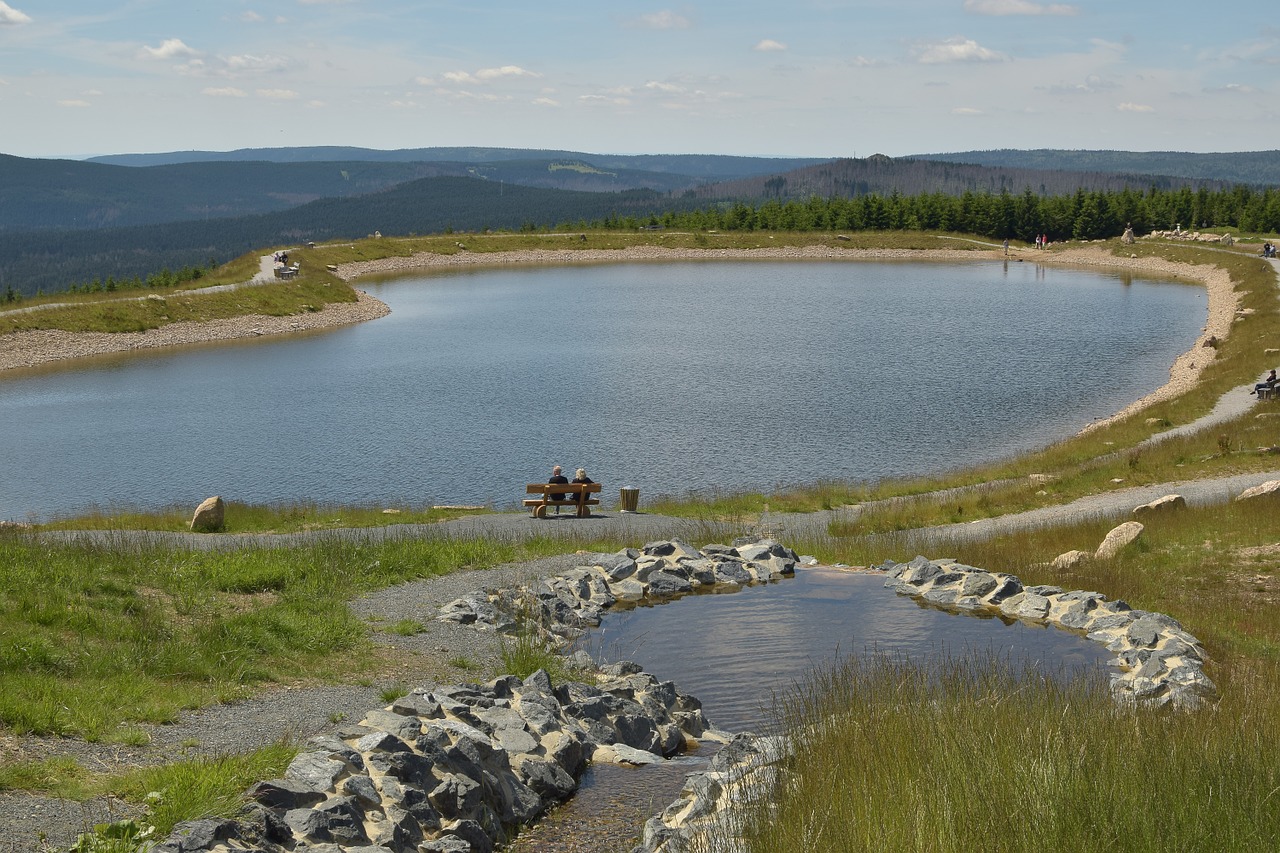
(969, 755)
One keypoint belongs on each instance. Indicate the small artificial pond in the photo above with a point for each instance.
(735, 650)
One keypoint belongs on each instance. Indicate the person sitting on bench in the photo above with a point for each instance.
(557, 477)
(1268, 384)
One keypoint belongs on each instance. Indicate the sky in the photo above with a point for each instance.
(797, 78)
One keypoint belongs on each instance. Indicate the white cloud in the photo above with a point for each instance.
(74, 103)
(251, 17)
(10, 16)
(233, 66)
(1017, 7)
(966, 111)
(769, 46)
(665, 88)
(546, 102)
(1134, 108)
(956, 50)
(424, 81)
(278, 94)
(865, 62)
(664, 20)
(224, 92)
(1092, 85)
(1233, 89)
(504, 71)
(483, 75)
(168, 49)
(610, 100)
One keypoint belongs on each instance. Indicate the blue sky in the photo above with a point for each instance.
(819, 78)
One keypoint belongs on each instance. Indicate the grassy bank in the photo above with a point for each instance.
(277, 518)
(968, 756)
(102, 638)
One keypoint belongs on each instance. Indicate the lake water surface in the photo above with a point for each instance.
(668, 377)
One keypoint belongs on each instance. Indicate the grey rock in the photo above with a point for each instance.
(286, 794)
(362, 789)
(204, 834)
(316, 770)
(666, 584)
(978, 584)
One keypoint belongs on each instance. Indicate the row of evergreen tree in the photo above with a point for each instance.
(1080, 216)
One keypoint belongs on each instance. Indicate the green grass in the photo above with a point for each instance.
(193, 789)
(241, 517)
(160, 307)
(96, 638)
(407, 628)
(964, 756)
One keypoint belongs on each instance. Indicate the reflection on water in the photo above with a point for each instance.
(733, 651)
(675, 377)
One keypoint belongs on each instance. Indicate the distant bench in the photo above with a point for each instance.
(576, 495)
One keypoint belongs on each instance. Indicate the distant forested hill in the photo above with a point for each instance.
(1258, 168)
(886, 175)
(704, 167)
(36, 194)
(73, 194)
(52, 260)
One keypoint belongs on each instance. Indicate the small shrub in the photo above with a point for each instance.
(392, 692)
(122, 836)
(407, 627)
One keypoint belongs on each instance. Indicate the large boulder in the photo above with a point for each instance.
(1164, 504)
(210, 516)
(1118, 539)
(1271, 488)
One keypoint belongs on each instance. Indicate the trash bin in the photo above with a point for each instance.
(630, 499)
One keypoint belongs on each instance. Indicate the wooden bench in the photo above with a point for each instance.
(576, 495)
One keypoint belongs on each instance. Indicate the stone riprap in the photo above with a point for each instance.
(563, 606)
(461, 768)
(711, 811)
(1160, 663)
(453, 769)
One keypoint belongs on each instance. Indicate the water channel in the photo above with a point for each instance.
(669, 377)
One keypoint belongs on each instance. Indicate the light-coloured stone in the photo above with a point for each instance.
(1070, 560)
(210, 516)
(1271, 488)
(1118, 539)
(1164, 504)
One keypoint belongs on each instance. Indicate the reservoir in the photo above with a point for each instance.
(670, 377)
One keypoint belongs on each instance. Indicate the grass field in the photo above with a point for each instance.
(99, 639)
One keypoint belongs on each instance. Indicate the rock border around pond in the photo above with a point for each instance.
(461, 768)
(453, 769)
(1161, 663)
